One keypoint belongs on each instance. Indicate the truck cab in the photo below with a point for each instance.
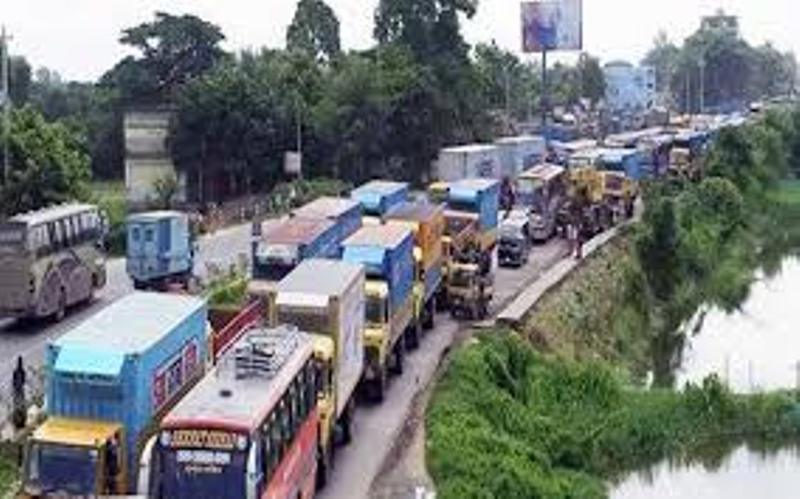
(77, 458)
(470, 291)
(160, 249)
(514, 247)
(542, 190)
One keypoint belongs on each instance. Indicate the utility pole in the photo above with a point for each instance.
(4, 38)
(545, 97)
(508, 91)
(702, 84)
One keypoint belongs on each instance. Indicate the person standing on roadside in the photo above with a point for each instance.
(18, 380)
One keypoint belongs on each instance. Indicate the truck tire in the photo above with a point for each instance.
(430, 315)
(398, 356)
(346, 423)
(412, 335)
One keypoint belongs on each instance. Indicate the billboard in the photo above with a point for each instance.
(552, 25)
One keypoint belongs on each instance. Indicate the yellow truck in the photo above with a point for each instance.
(426, 221)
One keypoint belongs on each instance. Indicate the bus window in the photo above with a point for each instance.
(148, 235)
(135, 234)
(277, 439)
(302, 395)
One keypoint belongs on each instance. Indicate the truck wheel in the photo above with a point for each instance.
(347, 422)
(412, 335)
(430, 315)
(441, 302)
(398, 356)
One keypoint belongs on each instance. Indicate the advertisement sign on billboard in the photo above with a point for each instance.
(552, 25)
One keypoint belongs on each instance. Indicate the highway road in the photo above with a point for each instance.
(377, 427)
(30, 340)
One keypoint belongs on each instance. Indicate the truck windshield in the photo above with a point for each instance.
(53, 468)
(375, 310)
(193, 473)
(306, 319)
(271, 269)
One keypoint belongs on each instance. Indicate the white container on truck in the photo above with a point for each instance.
(469, 161)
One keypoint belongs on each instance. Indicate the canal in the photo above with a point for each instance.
(756, 348)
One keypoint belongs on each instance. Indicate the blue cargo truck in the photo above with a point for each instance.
(480, 200)
(386, 252)
(378, 197)
(346, 213)
(160, 249)
(109, 380)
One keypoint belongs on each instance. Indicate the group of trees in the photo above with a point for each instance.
(384, 111)
(719, 70)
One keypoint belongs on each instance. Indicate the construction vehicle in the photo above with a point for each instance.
(542, 191)
(109, 379)
(325, 298)
(472, 212)
(387, 254)
(160, 250)
(426, 222)
(378, 197)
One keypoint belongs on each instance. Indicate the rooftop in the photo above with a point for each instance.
(317, 276)
(520, 139)
(153, 216)
(224, 398)
(467, 148)
(477, 184)
(386, 236)
(380, 186)
(417, 211)
(325, 207)
(544, 171)
(132, 324)
(296, 230)
(51, 213)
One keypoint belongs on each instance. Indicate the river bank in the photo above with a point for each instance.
(583, 393)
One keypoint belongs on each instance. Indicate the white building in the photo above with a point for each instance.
(146, 155)
(629, 89)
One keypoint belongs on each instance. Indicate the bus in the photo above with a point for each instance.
(248, 429)
(50, 260)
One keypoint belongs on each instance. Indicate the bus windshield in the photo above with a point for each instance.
(193, 473)
(54, 468)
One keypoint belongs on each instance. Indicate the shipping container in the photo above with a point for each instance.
(426, 221)
(386, 252)
(469, 161)
(129, 362)
(326, 298)
(159, 245)
(377, 197)
(345, 212)
(628, 161)
(477, 196)
(517, 154)
(290, 241)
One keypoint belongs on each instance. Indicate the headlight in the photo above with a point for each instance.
(241, 442)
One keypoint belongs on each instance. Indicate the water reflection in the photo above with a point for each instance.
(746, 472)
(755, 348)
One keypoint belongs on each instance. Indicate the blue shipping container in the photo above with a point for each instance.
(128, 362)
(346, 213)
(379, 196)
(386, 252)
(629, 161)
(479, 196)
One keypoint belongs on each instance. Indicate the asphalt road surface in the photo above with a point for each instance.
(377, 427)
(30, 339)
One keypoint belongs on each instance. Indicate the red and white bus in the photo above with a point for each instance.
(249, 428)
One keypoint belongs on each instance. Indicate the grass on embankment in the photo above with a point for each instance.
(509, 422)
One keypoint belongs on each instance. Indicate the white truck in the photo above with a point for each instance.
(326, 299)
(468, 161)
(517, 154)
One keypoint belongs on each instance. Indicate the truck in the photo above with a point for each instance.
(542, 192)
(472, 213)
(587, 204)
(426, 221)
(387, 254)
(515, 239)
(346, 213)
(468, 161)
(325, 298)
(110, 379)
(622, 169)
(687, 154)
(160, 250)
(378, 197)
(520, 153)
(285, 244)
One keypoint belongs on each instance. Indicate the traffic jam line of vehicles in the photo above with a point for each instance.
(160, 394)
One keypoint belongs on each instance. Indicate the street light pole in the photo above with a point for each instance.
(702, 84)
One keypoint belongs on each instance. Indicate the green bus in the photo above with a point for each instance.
(50, 260)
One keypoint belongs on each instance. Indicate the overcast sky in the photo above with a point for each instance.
(78, 38)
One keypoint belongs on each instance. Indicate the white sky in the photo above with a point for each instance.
(78, 38)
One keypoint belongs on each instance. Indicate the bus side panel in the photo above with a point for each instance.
(295, 476)
(350, 341)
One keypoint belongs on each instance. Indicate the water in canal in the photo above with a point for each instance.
(756, 348)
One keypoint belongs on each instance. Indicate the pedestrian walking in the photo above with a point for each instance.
(572, 237)
(18, 380)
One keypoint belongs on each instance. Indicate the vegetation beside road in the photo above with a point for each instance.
(560, 409)
(507, 421)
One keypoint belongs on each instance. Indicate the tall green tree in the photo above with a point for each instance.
(592, 78)
(173, 50)
(504, 76)
(19, 80)
(48, 164)
(663, 57)
(314, 30)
